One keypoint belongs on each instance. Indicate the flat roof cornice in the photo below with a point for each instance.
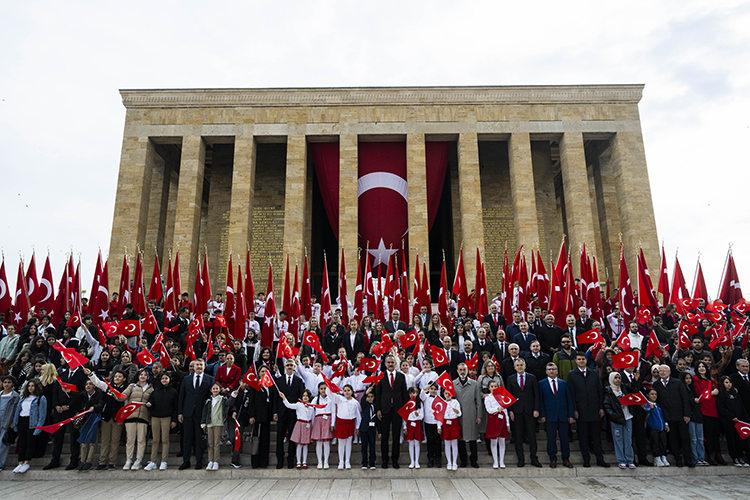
(381, 96)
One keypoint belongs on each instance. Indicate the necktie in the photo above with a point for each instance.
(289, 381)
(664, 381)
(521, 382)
(494, 318)
(197, 382)
(554, 387)
(747, 380)
(391, 380)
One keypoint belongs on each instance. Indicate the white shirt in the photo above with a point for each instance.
(556, 386)
(303, 412)
(260, 308)
(311, 380)
(424, 379)
(429, 414)
(26, 406)
(347, 409)
(617, 325)
(493, 406)
(323, 412)
(449, 413)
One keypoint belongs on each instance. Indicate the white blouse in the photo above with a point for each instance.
(303, 412)
(449, 413)
(346, 409)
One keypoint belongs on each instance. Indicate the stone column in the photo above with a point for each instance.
(470, 194)
(348, 208)
(550, 229)
(416, 182)
(523, 191)
(634, 199)
(295, 202)
(243, 192)
(217, 216)
(609, 215)
(187, 224)
(131, 204)
(575, 182)
(157, 215)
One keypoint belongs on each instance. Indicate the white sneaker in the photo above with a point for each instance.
(150, 466)
(216, 466)
(347, 466)
(18, 468)
(341, 466)
(137, 465)
(416, 466)
(411, 465)
(210, 466)
(502, 466)
(24, 468)
(320, 465)
(163, 466)
(657, 462)
(325, 466)
(494, 466)
(664, 461)
(450, 467)
(128, 465)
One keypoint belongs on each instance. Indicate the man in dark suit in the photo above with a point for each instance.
(494, 319)
(514, 328)
(556, 410)
(354, 341)
(63, 405)
(393, 324)
(292, 386)
(549, 335)
(181, 321)
(524, 338)
(741, 380)
(524, 412)
(508, 365)
(583, 322)
(454, 357)
(588, 398)
(194, 391)
(631, 383)
(674, 402)
(391, 394)
(573, 330)
(536, 360)
(483, 344)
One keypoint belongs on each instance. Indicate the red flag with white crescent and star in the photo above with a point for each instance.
(229, 302)
(439, 406)
(325, 299)
(155, 290)
(503, 397)
(635, 398)
(305, 301)
(743, 429)
(32, 284)
(406, 410)
(369, 365)
(71, 357)
(127, 410)
(269, 321)
(625, 359)
(100, 311)
(129, 328)
(446, 383)
(5, 301)
(438, 356)
(21, 307)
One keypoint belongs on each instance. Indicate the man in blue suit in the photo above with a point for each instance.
(524, 338)
(556, 410)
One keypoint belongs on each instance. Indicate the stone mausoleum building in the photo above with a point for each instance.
(289, 171)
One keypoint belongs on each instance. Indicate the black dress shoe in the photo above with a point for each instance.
(602, 463)
(430, 464)
(645, 463)
(280, 465)
(535, 463)
(112, 467)
(184, 465)
(475, 465)
(385, 465)
(72, 466)
(462, 465)
(198, 466)
(520, 464)
(587, 463)
(396, 465)
(290, 465)
(101, 467)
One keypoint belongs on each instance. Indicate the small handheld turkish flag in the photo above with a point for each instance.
(221, 321)
(705, 394)
(145, 358)
(652, 348)
(503, 397)
(149, 322)
(624, 341)
(643, 316)
(438, 356)
(368, 365)
(715, 306)
(74, 320)
(438, 409)
(266, 380)
(341, 367)
(625, 359)
(237, 435)
(129, 327)
(197, 323)
(331, 386)
(409, 339)
(590, 337)
(113, 390)
(251, 379)
(724, 339)
(71, 357)
(172, 329)
(473, 362)
(383, 346)
(67, 386)
(52, 428)
(446, 383)
(742, 306)
(635, 398)
(127, 410)
(406, 410)
(110, 328)
(309, 338)
(375, 379)
(743, 429)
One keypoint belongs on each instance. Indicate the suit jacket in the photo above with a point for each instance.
(456, 358)
(524, 344)
(584, 326)
(495, 325)
(292, 392)
(549, 337)
(501, 350)
(673, 399)
(555, 408)
(391, 327)
(330, 343)
(191, 400)
(537, 366)
(528, 399)
(359, 345)
(389, 399)
(587, 393)
(742, 388)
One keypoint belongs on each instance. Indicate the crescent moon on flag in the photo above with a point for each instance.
(130, 328)
(48, 286)
(384, 180)
(31, 287)
(629, 358)
(3, 289)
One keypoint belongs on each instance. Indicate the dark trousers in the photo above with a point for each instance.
(711, 431)
(192, 439)
(462, 451)
(523, 428)
(679, 440)
(735, 444)
(263, 431)
(639, 433)
(59, 438)
(26, 440)
(368, 436)
(433, 443)
(232, 438)
(658, 442)
(554, 429)
(284, 428)
(584, 429)
(391, 423)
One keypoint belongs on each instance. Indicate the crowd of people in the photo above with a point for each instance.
(460, 389)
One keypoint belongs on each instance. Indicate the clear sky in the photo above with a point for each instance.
(62, 63)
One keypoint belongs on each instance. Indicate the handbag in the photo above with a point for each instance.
(10, 437)
(78, 422)
(253, 441)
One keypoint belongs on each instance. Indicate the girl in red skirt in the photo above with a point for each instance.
(301, 435)
(321, 432)
(345, 423)
(414, 432)
(450, 430)
(498, 425)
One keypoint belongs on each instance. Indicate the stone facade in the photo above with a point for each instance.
(222, 170)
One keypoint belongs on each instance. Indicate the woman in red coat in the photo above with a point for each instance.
(228, 376)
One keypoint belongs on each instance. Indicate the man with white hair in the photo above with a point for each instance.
(675, 404)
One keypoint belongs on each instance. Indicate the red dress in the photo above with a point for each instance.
(497, 426)
(414, 431)
(451, 429)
